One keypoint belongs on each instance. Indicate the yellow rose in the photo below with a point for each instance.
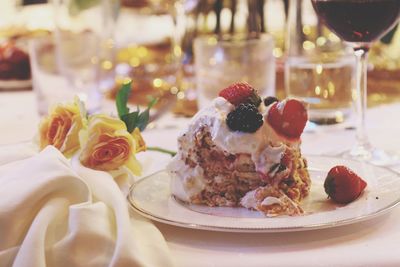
(139, 141)
(109, 145)
(62, 126)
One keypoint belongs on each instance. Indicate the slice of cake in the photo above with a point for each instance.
(239, 152)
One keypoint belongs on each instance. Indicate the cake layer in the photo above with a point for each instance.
(218, 178)
(216, 166)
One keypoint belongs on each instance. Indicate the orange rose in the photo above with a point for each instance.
(61, 128)
(109, 145)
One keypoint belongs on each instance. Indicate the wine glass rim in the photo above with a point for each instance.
(232, 40)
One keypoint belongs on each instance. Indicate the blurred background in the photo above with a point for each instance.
(61, 48)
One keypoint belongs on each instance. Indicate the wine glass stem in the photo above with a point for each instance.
(363, 146)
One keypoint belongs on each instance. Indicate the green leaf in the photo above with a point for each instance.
(152, 102)
(144, 117)
(143, 120)
(135, 119)
(130, 120)
(121, 99)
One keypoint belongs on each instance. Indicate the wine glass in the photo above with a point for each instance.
(360, 23)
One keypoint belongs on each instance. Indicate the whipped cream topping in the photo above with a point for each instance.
(249, 200)
(185, 181)
(269, 156)
(268, 201)
(265, 146)
(214, 116)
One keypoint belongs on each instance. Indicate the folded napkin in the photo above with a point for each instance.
(55, 212)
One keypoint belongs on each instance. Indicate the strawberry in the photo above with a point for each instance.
(288, 118)
(239, 93)
(343, 185)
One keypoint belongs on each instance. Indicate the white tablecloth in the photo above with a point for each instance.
(371, 243)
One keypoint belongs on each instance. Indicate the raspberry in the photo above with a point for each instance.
(269, 100)
(241, 93)
(245, 118)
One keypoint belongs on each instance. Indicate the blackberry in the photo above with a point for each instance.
(269, 100)
(244, 118)
(254, 99)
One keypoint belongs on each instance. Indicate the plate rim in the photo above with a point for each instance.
(14, 84)
(316, 226)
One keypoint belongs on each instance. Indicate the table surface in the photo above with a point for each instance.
(370, 243)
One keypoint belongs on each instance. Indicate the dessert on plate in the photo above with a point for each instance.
(14, 63)
(243, 152)
(15, 68)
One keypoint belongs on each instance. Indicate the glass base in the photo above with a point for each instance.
(328, 116)
(373, 155)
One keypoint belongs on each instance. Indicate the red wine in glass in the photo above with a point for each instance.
(358, 21)
(361, 22)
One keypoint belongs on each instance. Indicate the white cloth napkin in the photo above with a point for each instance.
(54, 212)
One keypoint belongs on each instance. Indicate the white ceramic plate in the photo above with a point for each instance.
(11, 85)
(151, 197)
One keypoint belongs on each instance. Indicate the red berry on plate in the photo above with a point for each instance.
(239, 93)
(288, 117)
(343, 185)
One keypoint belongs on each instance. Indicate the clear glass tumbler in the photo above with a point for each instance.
(49, 86)
(84, 45)
(221, 62)
(319, 67)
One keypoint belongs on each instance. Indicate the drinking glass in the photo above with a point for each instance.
(225, 19)
(360, 23)
(149, 52)
(49, 86)
(83, 35)
(221, 62)
(319, 67)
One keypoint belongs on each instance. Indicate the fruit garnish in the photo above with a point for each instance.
(288, 118)
(343, 185)
(244, 118)
(241, 93)
(269, 100)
